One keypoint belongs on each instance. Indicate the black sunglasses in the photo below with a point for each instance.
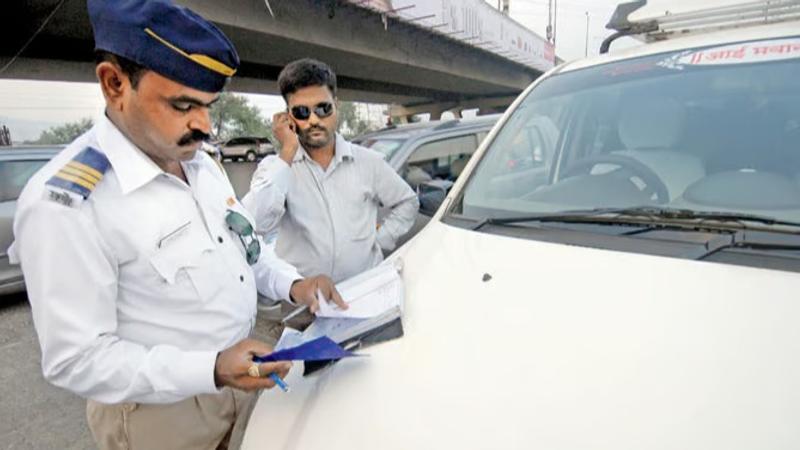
(322, 110)
(241, 226)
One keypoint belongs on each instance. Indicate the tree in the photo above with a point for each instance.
(64, 134)
(233, 115)
(350, 122)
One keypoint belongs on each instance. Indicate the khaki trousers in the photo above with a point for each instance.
(202, 422)
(271, 318)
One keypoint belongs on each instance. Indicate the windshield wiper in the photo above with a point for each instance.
(647, 215)
(739, 239)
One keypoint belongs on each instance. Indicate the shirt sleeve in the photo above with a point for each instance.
(393, 192)
(72, 279)
(274, 276)
(266, 200)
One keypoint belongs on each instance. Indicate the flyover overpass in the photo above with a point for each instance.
(421, 55)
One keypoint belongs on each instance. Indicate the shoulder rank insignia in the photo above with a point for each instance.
(77, 179)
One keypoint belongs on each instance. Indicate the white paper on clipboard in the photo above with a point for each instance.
(367, 294)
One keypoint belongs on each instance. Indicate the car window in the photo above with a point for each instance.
(14, 175)
(442, 159)
(388, 147)
(706, 129)
(532, 146)
(238, 141)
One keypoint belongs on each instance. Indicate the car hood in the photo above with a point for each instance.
(512, 343)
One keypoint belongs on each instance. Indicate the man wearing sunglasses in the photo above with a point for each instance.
(321, 193)
(141, 266)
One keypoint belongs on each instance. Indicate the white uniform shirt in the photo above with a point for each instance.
(326, 220)
(135, 289)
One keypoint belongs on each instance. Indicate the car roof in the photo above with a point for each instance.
(406, 131)
(402, 131)
(249, 138)
(721, 37)
(18, 152)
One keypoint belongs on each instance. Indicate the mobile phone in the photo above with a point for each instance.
(292, 124)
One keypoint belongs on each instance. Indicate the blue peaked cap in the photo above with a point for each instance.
(168, 39)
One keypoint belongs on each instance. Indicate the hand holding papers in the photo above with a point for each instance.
(368, 294)
(375, 302)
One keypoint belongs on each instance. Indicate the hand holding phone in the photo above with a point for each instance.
(285, 131)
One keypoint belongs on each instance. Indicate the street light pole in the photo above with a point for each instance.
(555, 21)
(586, 49)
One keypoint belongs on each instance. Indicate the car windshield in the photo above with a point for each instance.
(386, 146)
(705, 129)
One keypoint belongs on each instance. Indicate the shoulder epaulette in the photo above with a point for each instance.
(81, 175)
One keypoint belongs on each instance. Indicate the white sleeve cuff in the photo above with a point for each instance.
(274, 276)
(385, 239)
(196, 369)
(283, 284)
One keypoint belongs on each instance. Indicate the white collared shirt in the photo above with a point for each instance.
(135, 289)
(326, 220)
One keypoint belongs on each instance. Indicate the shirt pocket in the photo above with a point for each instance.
(235, 238)
(183, 265)
(361, 215)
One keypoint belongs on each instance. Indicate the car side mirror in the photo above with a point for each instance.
(432, 194)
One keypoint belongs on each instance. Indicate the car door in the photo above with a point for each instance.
(14, 174)
(428, 170)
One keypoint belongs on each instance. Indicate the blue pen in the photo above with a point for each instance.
(281, 384)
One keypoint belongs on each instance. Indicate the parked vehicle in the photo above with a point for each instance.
(422, 152)
(630, 284)
(246, 148)
(429, 156)
(17, 166)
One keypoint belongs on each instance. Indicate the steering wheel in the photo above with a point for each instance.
(653, 183)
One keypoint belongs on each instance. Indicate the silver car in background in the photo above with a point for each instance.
(246, 148)
(17, 165)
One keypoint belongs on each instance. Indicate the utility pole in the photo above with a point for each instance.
(586, 50)
(550, 22)
(503, 6)
(555, 22)
(5, 136)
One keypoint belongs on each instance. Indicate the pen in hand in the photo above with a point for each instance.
(279, 382)
(294, 314)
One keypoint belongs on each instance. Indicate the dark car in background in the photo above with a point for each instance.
(429, 156)
(17, 166)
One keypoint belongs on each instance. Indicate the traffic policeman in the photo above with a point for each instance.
(141, 265)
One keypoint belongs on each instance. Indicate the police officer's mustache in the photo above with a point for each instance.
(193, 137)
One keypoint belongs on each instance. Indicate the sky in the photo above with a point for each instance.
(28, 107)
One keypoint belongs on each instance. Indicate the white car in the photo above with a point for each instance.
(246, 148)
(633, 284)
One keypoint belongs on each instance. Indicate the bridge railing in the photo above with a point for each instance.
(473, 22)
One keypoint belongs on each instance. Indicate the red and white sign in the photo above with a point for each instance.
(753, 52)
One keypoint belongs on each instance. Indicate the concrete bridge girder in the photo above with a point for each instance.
(391, 62)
